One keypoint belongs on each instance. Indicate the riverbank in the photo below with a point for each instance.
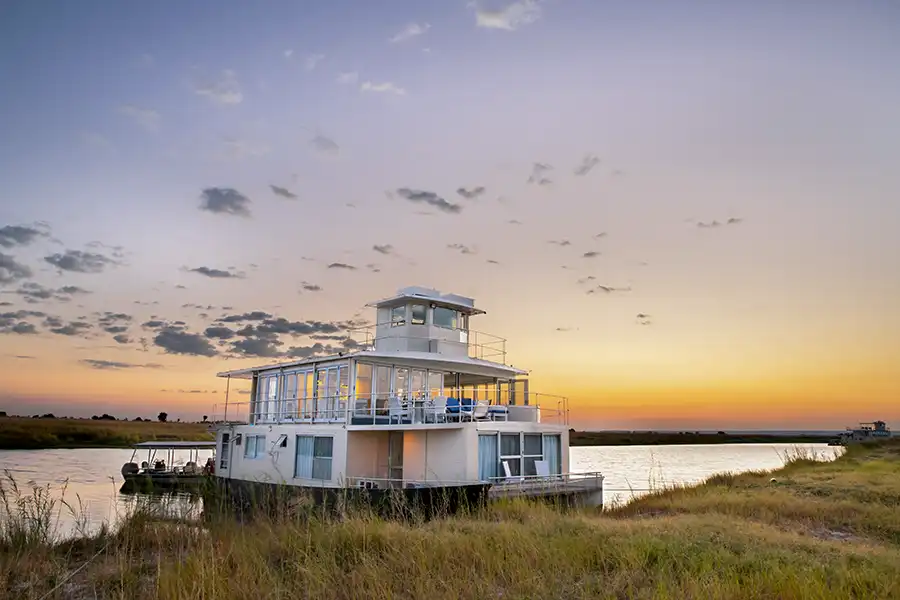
(657, 438)
(809, 530)
(20, 433)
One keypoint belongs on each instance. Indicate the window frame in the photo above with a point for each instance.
(255, 444)
(413, 320)
(322, 460)
(454, 321)
(401, 321)
(521, 459)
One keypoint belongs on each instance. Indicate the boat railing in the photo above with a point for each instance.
(436, 406)
(472, 343)
(586, 481)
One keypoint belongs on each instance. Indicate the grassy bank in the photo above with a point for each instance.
(31, 434)
(819, 530)
(655, 438)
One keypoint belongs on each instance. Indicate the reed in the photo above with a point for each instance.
(809, 530)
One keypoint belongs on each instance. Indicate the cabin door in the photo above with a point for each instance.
(225, 454)
(395, 458)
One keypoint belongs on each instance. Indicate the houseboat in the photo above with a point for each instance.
(419, 402)
(866, 432)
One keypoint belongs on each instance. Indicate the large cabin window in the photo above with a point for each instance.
(254, 446)
(418, 314)
(363, 388)
(445, 317)
(314, 457)
(398, 316)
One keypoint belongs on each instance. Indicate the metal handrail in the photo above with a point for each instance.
(534, 481)
(480, 344)
(543, 408)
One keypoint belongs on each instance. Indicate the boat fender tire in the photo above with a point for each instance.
(129, 468)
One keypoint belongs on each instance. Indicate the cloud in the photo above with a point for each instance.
(514, 222)
(113, 365)
(216, 273)
(340, 265)
(80, 262)
(35, 292)
(733, 221)
(713, 224)
(310, 287)
(538, 170)
(607, 289)
(145, 117)
(462, 248)
(226, 201)
(122, 338)
(597, 236)
(312, 61)
(471, 194)
(643, 319)
(325, 145)
(264, 347)
(225, 90)
(492, 262)
(429, 198)
(73, 328)
(256, 315)
(283, 192)
(410, 31)
(347, 78)
(385, 88)
(219, 332)
(17, 328)
(560, 242)
(591, 254)
(587, 164)
(174, 340)
(288, 53)
(18, 235)
(383, 249)
(510, 17)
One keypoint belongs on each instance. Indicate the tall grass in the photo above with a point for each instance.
(821, 530)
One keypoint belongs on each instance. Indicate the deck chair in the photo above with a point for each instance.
(480, 410)
(542, 467)
(436, 410)
(509, 476)
(396, 409)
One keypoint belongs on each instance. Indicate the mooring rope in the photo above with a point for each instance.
(75, 572)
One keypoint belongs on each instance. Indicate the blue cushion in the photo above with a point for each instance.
(452, 405)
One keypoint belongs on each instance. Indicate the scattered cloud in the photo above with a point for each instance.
(472, 193)
(34, 292)
(587, 279)
(145, 117)
(312, 61)
(225, 90)
(114, 365)
(305, 286)
(514, 222)
(122, 338)
(283, 192)
(216, 273)
(383, 249)
(429, 198)
(219, 332)
(325, 145)
(560, 242)
(509, 17)
(492, 262)
(587, 164)
(591, 254)
(410, 31)
(347, 78)
(72, 328)
(733, 221)
(462, 248)
(386, 87)
(80, 261)
(173, 339)
(288, 53)
(19, 235)
(607, 289)
(597, 236)
(340, 265)
(11, 270)
(538, 172)
(643, 319)
(226, 201)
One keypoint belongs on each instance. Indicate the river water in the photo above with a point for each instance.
(85, 482)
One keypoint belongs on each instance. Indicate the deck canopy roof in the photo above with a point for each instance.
(182, 445)
(460, 303)
(427, 360)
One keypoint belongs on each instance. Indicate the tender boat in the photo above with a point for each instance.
(159, 470)
(419, 402)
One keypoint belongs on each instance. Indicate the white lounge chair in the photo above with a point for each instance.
(396, 410)
(509, 476)
(436, 410)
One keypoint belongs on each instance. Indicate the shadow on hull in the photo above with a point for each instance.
(246, 498)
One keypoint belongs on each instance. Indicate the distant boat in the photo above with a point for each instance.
(866, 432)
(159, 471)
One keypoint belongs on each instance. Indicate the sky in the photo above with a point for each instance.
(681, 215)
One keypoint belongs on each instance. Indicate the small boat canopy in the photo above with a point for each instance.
(186, 445)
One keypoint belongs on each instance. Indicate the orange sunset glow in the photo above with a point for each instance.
(667, 226)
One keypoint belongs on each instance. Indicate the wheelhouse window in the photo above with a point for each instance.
(418, 314)
(254, 446)
(314, 457)
(445, 317)
(398, 316)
